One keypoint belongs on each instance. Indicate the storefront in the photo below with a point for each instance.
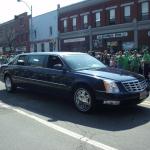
(113, 41)
(80, 44)
(144, 39)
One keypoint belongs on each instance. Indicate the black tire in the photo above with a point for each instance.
(10, 86)
(84, 99)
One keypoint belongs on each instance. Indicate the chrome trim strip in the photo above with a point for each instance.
(134, 86)
(22, 78)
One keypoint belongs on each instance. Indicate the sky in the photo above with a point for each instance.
(10, 8)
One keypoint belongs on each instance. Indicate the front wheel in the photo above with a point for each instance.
(10, 87)
(84, 99)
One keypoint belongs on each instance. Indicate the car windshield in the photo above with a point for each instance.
(82, 61)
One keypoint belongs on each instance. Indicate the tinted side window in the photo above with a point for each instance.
(54, 62)
(36, 60)
(22, 60)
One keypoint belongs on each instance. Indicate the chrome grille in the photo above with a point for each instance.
(135, 85)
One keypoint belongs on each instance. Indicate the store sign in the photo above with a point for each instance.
(148, 33)
(21, 49)
(74, 40)
(112, 35)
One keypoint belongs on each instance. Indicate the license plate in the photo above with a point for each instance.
(143, 95)
(112, 102)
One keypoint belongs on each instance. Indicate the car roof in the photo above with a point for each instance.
(52, 53)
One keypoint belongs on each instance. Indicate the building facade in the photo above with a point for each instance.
(14, 35)
(104, 24)
(44, 31)
(7, 37)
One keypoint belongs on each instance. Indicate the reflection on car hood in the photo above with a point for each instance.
(112, 73)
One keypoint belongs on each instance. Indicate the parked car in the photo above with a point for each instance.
(84, 77)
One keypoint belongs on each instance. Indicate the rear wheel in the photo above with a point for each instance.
(83, 99)
(10, 87)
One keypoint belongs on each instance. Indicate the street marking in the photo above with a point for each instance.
(61, 129)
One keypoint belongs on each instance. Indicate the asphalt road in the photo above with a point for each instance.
(32, 120)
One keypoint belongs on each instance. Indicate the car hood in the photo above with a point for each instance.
(112, 73)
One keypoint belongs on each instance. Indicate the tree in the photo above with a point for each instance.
(9, 37)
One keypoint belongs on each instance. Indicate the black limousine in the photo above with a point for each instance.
(82, 76)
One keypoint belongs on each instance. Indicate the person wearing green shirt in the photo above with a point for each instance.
(119, 60)
(135, 62)
(146, 64)
(126, 61)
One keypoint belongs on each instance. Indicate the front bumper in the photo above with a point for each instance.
(122, 98)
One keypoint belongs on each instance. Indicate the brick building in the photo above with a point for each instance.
(22, 38)
(104, 24)
(14, 35)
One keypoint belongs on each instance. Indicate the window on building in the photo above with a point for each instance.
(21, 21)
(144, 10)
(35, 35)
(50, 46)
(98, 19)
(65, 25)
(35, 47)
(42, 47)
(127, 13)
(74, 23)
(85, 21)
(112, 16)
(50, 31)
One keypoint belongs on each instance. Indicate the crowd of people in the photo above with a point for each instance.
(5, 58)
(128, 60)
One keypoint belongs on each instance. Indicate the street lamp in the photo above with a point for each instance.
(30, 8)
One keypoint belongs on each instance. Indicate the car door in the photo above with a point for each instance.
(36, 70)
(19, 70)
(56, 75)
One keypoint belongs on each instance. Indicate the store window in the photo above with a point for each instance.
(127, 13)
(74, 23)
(144, 10)
(98, 19)
(65, 25)
(112, 16)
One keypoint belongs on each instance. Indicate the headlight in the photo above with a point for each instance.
(111, 86)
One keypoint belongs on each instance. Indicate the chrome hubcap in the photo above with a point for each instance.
(8, 83)
(83, 99)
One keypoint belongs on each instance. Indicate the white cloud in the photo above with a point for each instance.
(10, 8)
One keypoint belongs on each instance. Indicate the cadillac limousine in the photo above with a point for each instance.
(82, 76)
